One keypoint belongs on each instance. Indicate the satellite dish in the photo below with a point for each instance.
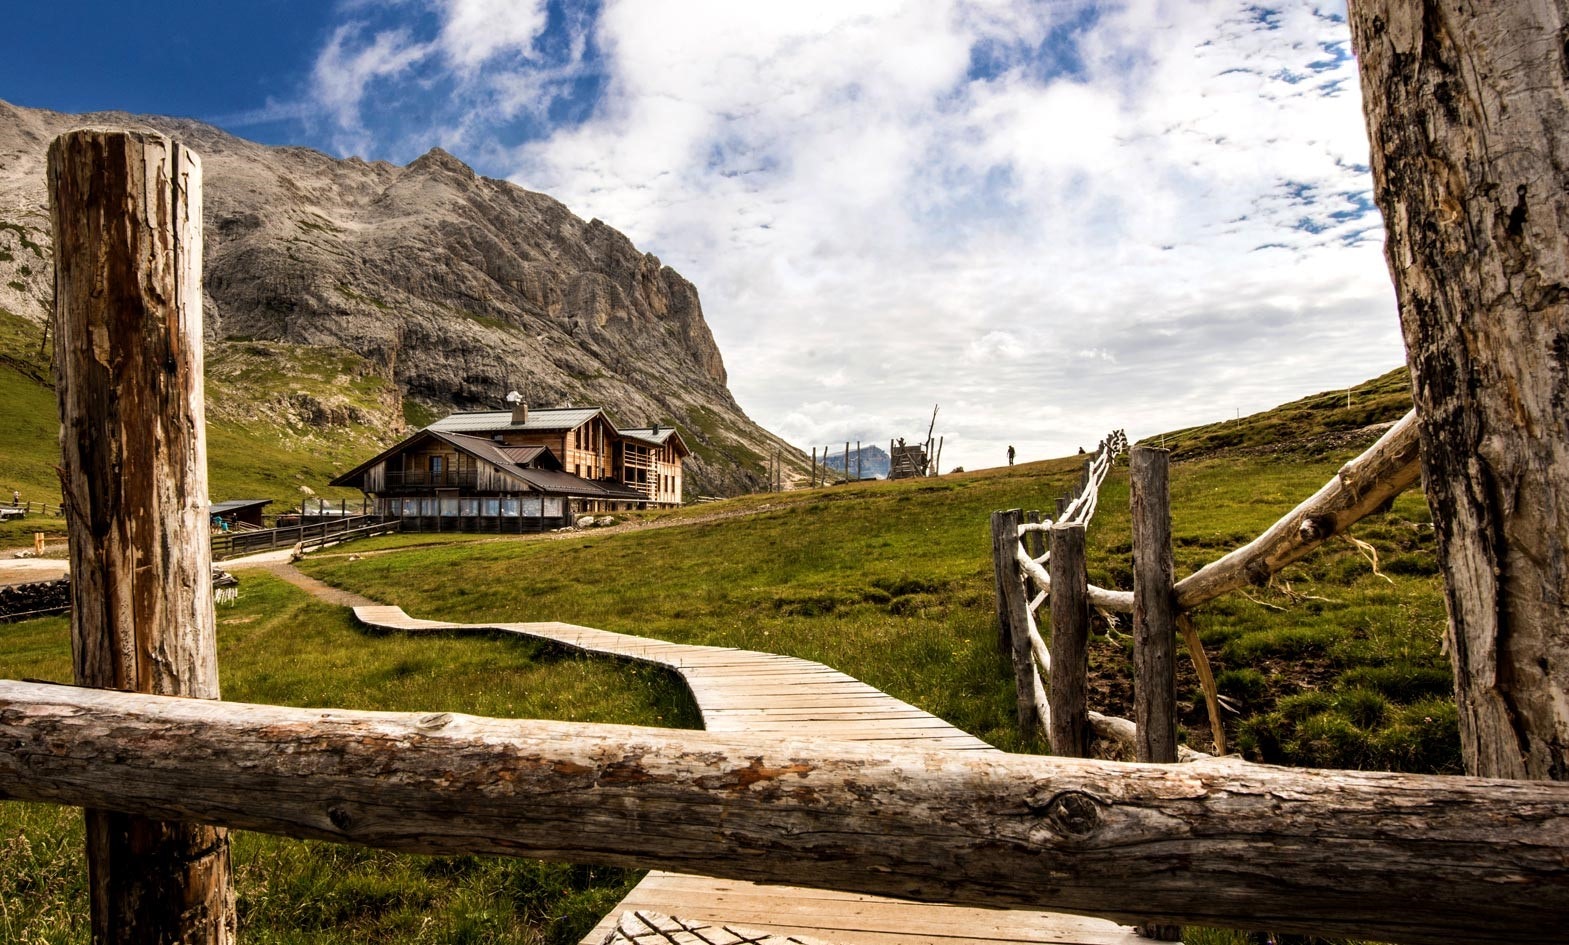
(513, 397)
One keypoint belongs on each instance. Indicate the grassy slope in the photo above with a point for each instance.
(252, 453)
(279, 646)
(888, 581)
(891, 582)
(1382, 399)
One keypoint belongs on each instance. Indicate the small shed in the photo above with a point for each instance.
(907, 462)
(239, 511)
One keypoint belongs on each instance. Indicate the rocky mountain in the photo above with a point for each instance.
(869, 462)
(452, 287)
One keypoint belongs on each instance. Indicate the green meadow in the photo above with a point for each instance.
(1336, 663)
(278, 645)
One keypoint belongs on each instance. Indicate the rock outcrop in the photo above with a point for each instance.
(456, 287)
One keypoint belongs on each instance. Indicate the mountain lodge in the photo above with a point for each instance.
(521, 470)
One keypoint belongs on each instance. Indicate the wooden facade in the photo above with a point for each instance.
(649, 460)
(521, 470)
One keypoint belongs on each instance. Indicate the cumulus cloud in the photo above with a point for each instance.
(474, 31)
(1053, 218)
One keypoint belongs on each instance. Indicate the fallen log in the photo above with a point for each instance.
(1210, 843)
(1388, 467)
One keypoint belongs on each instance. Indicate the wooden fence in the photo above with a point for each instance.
(236, 543)
(19, 510)
(1159, 604)
(1019, 547)
(1219, 842)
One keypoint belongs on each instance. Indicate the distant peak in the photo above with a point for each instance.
(438, 161)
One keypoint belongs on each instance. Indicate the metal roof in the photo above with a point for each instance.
(541, 480)
(523, 455)
(496, 421)
(234, 505)
(654, 435)
(616, 489)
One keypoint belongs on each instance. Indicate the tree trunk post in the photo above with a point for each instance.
(1066, 691)
(1154, 608)
(1003, 569)
(1154, 623)
(1467, 108)
(127, 218)
(1013, 608)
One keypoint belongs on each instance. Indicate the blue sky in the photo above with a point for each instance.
(1053, 217)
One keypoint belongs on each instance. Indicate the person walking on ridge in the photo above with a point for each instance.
(1010, 454)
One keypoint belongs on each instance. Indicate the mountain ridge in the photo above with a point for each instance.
(453, 287)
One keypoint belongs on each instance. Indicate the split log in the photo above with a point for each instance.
(1216, 842)
(127, 214)
(1467, 107)
(1389, 467)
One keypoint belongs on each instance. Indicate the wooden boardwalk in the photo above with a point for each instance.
(746, 691)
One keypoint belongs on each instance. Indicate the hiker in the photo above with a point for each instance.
(1010, 454)
(16, 498)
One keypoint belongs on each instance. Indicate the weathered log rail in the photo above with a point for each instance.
(1362, 486)
(1216, 842)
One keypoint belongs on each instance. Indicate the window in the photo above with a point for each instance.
(435, 469)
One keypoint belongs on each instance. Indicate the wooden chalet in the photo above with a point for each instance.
(521, 470)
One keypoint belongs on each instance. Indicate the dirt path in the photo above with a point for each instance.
(317, 589)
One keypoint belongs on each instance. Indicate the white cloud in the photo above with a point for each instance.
(347, 66)
(1053, 218)
(473, 31)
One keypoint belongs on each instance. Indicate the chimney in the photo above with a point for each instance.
(656, 429)
(520, 412)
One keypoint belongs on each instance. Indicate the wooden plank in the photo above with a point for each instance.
(767, 693)
(845, 915)
(647, 927)
(825, 712)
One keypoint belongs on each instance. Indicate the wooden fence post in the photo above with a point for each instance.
(1015, 609)
(1070, 632)
(127, 218)
(1034, 541)
(1002, 569)
(1154, 622)
(1154, 607)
